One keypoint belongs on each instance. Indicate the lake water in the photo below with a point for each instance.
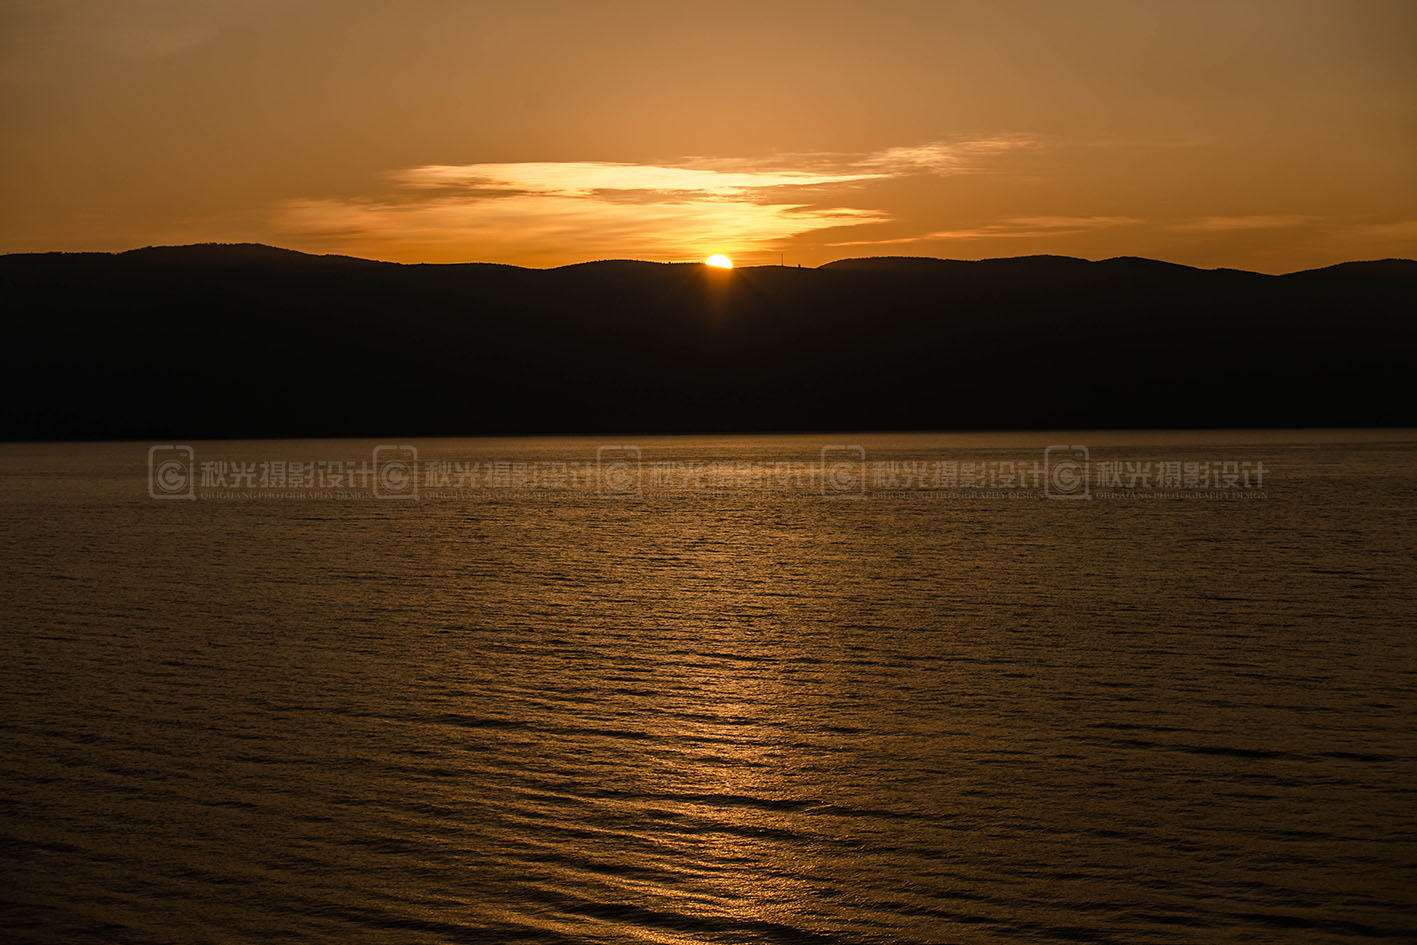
(756, 689)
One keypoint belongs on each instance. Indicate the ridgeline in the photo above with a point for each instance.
(246, 340)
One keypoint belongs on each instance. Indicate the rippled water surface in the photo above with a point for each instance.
(747, 712)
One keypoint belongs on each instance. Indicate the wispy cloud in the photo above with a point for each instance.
(566, 210)
(1257, 222)
(1015, 228)
(1397, 231)
(943, 157)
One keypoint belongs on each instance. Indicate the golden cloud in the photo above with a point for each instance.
(563, 211)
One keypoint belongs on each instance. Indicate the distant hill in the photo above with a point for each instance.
(247, 340)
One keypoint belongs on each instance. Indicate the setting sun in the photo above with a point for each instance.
(719, 260)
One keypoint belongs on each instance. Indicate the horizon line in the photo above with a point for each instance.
(213, 245)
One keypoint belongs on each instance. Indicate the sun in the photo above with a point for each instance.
(719, 260)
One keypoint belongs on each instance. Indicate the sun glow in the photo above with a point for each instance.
(719, 260)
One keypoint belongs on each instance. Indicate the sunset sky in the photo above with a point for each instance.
(1270, 135)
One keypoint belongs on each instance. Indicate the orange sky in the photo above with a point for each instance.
(1271, 136)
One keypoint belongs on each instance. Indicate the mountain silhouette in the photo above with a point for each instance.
(245, 340)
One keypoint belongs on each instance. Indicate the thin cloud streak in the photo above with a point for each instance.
(1016, 228)
(1398, 230)
(1256, 222)
(584, 179)
(944, 158)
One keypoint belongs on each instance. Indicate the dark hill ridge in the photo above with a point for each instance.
(249, 340)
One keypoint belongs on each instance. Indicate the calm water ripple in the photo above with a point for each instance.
(753, 713)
